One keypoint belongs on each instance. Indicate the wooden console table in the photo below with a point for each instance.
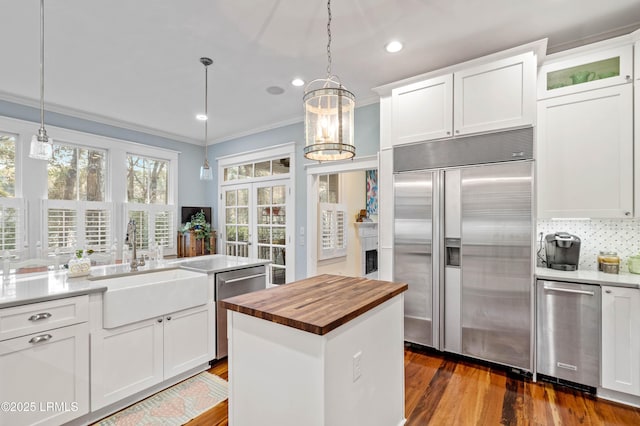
(189, 246)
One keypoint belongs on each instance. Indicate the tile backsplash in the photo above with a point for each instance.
(619, 235)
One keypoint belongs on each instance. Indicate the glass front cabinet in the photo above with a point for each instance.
(581, 72)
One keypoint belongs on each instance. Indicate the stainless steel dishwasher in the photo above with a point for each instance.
(229, 284)
(568, 331)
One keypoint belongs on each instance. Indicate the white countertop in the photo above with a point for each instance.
(590, 277)
(219, 263)
(23, 289)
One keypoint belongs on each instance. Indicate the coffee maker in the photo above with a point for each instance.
(562, 251)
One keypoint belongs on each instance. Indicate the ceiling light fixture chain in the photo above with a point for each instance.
(329, 40)
(41, 146)
(329, 114)
(205, 170)
(42, 67)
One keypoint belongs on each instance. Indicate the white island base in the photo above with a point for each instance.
(353, 375)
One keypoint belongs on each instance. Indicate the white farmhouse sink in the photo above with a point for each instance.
(133, 298)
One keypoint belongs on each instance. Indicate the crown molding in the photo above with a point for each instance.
(97, 118)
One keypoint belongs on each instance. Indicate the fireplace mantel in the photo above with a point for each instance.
(368, 236)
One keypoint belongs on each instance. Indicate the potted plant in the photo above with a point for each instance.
(199, 226)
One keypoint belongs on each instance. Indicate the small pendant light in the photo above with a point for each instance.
(41, 144)
(205, 170)
(329, 114)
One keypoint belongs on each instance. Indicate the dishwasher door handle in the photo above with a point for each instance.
(235, 280)
(568, 290)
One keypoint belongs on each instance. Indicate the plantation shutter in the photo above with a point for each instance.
(153, 223)
(11, 224)
(333, 231)
(74, 225)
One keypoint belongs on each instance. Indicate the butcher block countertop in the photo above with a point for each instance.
(316, 305)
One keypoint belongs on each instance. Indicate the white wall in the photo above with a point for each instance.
(353, 187)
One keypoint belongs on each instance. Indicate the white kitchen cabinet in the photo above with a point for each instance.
(125, 360)
(494, 96)
(45, 376)
(585, 154)
(423, 111)
(385, 215)
(129, 359)
(620, 339)
(573, 73)
(188, 340)
(488, 97)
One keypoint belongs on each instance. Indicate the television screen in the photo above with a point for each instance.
(187, 212)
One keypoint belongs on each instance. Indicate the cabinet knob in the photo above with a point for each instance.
(608, 291)
(627, 213)
(159, 319)
(457, 131)
(448, 133)
(168, 318)
(628, 77)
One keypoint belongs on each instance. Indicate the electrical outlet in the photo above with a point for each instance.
(357, 366)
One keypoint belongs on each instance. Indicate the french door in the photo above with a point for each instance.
(257, 224)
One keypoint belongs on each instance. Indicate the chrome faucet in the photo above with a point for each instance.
(131, 233)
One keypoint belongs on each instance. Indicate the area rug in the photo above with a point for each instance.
(175, 405)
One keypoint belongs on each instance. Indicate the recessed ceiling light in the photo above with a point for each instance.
(275, 90)
(393, 46)
(297, 82)
(201, 117)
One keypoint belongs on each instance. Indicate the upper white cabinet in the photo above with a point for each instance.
(620, 339)
(585, 154)
(586, 71)
(496, 95)
(423, 111)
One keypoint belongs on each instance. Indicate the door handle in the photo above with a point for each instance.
(568, 290)
(235, 280)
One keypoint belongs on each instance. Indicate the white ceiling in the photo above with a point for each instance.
(136, 62)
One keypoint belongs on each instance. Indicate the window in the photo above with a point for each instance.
(333, 231)
(148, 200)
(329, 188)
(77, 212)
(10, 207)
(257, 169)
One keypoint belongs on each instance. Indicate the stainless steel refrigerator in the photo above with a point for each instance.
(463, 242)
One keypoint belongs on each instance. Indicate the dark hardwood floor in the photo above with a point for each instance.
(442, 390)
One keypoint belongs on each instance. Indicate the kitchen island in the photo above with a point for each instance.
(326, 350)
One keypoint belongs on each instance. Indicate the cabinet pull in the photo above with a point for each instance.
(627, 213)
(568, 290)
(159, 319)
(608, 291)
(38, 317)
(168, 318)
(40, 338)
